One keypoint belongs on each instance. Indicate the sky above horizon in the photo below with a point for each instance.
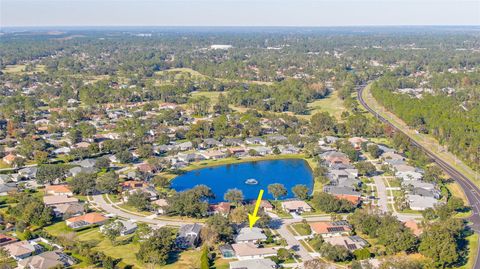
(238, 12)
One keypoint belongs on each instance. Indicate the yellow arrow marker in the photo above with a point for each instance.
(252, 218)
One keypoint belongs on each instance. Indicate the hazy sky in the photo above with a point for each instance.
(238, 12)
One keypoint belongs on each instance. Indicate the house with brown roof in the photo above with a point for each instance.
(58, 190)
(86, 220)
(51, 200)
(264, 204)
(296, 206)
(249, 251)
(5, 240)
(329, 229)
(357, 142)
(9, 158)
(222, 208)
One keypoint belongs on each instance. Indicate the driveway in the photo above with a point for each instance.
(382, 193)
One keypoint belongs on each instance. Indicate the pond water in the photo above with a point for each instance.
(288, 172)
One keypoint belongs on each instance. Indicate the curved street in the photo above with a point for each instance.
(471, 191)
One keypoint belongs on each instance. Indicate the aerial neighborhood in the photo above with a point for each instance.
(166, 166)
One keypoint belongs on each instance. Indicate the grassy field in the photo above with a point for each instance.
(331, 104)
(20, 68)
(300, 229)
(426, 140)
(472, 251)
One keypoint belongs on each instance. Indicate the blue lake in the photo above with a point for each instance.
(288, 172)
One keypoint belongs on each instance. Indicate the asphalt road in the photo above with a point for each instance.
(471, 190)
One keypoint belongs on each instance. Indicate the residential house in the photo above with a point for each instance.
(334, 157)
(262, 151)
(160, 206)
(210, 143)
(9, 158)
(213, 154)
(232, 142)
(351, 243)
(237, 151)
(68, 210)
(264, 204)
(189, 157)
(21, 249)
(47, 260)
(343, 192)
(63, 190)
(277, 139)
(357, 142)
(188, 236)
(28, 172)
(77, 170)
(222, 208)
(249, 251)
(247, 235)
(61, 150)
(254, 264)
(184, 146)
(255, 141)
(330, 229)
(288, 149)
(8, 188)
(51, 200)
(296, 206)
(5, 240)
(151, 192)
(128, 227)
(420, 203)
(89, 219)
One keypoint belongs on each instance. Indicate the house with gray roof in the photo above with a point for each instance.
(247, 235)
(188, 236)
(420, 203)
(47, 260)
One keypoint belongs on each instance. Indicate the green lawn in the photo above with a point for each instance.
(301, 229)
(331, 104)
(472, 251)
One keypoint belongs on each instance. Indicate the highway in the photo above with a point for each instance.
(471, 190)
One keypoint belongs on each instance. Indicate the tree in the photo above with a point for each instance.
(234, 196)
(221, 227)
(30, 210)
(139, 199)
(124, 156)
(300, 191)
(455, 203)
(161, 182)
(112, 230)
(283, 254)
(322, 123)
(439, 244)
(330, 204)
(190, 203)
(108, 182)
(334, 253)
(157, 249)
(83, 183)
(50, 173)
(365, 168)
(277, 190)
(374, 151)
(102, 163)
(362, 254)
